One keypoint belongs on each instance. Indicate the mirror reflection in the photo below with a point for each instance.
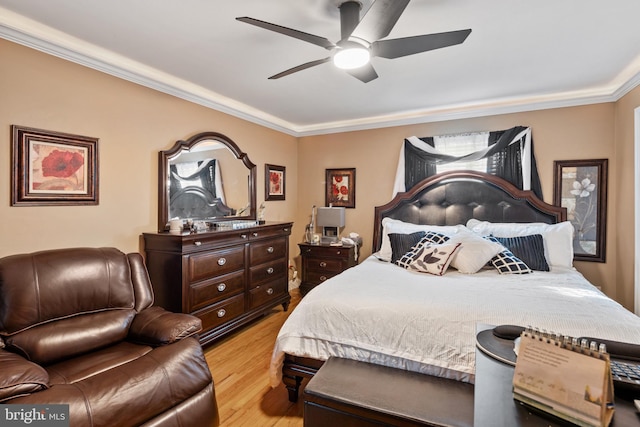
(206, 178)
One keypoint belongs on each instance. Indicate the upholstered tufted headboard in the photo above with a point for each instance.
(455, 197)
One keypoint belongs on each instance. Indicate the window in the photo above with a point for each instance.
(460, 145)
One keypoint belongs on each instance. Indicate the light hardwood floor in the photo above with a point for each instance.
(239, 364)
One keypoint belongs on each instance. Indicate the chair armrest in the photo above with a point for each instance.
(20, 376)
(156, 326)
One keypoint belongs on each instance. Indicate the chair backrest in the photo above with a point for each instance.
(59, 303)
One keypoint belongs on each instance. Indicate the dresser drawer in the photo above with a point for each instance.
(220, 313)
(323, 265)
(268, 271)
(266, 292)
(274, 231)
(210, 291)
(214, 263)
(268, 250)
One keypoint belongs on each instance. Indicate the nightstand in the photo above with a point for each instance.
(322, 261)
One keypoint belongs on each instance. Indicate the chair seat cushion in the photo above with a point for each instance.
(134, 392)
(82, 367)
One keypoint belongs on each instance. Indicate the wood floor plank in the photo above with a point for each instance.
(239, 364)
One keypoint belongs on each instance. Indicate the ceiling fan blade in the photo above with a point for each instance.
(310, 38)
(366, 73)
(379, 20)
(396, 48)
(300, 68)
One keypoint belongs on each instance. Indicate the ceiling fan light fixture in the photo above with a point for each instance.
(352, 57)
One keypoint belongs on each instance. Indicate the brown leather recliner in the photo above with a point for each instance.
(78, 328)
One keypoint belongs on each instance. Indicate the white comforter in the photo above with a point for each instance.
(381, 313)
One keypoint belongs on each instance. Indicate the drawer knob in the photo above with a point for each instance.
(222, 287)
(255, 234)
(308, 251)
(323, 278)
(222, 261)
(270, 270)
(222, 312)
(286, 229)
(323, 264)
(197, 243)
(270, 291)
(244, 236)
(338, 252)
(270, 249)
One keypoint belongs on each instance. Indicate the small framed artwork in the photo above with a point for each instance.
(53, 168)
(341, 188)
(581, 187)
(274, 182)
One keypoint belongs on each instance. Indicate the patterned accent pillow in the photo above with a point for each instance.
(402, 243)
(507, 263)
(434, 259)
(530, 249)
(430, 237)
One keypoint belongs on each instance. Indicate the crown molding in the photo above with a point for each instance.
(21, 30)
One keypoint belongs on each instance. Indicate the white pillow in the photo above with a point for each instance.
(474, 252)
(557, 238)
(390, 225)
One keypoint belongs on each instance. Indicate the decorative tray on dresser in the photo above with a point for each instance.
(226, 277)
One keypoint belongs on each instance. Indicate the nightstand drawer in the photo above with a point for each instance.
(326, 251)
(317, 277)
(323, 264)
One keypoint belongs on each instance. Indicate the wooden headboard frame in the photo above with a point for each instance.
(452, 198)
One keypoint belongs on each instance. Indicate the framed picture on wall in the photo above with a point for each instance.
(53, 168)
(341, 188)
(274, 179)
(581, 187)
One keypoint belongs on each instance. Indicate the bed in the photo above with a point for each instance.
(381, 313)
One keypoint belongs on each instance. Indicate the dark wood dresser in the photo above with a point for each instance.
(225, 277)
(322, 261)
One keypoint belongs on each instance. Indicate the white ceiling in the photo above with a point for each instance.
(521, 55)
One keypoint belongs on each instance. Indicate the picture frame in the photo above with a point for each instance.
(341, 188)
(581, 187)
(274, 182)
(53, 168)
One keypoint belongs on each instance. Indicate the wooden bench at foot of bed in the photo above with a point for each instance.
(351, 393)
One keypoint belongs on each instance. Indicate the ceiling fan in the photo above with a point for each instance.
(361, 38)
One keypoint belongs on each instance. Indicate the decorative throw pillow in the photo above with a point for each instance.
(475, 252)
(402, 243)
(434, 259)
(390, 225)
(507, 263)
(430, 237)
(530, 249)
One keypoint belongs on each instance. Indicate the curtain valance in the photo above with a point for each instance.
(509, 154)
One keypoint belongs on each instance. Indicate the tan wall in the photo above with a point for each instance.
(559, 134)
(625, 194)
(133, 123)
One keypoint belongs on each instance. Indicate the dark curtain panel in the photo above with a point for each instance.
(503, 160)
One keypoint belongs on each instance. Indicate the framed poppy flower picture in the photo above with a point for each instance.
(274, 182)
(53, 168)
(341, 188)
(581, 187)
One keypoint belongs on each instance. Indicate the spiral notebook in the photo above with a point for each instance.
(565, 378)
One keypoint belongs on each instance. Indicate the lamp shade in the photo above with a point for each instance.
(330, 217)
